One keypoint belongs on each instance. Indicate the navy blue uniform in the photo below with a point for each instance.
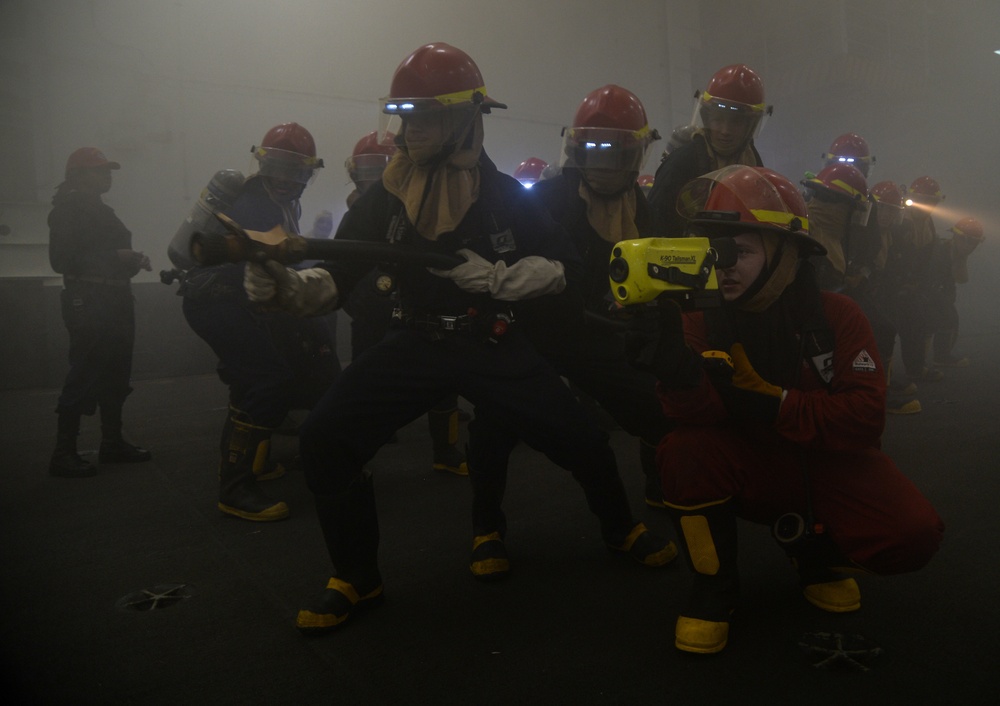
(427, 356)
(265, 357)
(96, 301)
(590, 354)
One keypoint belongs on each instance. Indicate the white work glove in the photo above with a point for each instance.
(527, 278)
(309, 292)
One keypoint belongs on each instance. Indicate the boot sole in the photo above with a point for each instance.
(653, 558)
(842, 596)
(489, 561)
(462, 470)
(271, 514)
(310, 623)
(703, 637)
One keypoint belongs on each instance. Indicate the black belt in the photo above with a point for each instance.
(97, 280)
(492, 326)
(457, 324)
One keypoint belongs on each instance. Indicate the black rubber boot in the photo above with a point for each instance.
(490, 446)
(442, 424)
(65, 461)
(489, 449)
(708, 532)
(239, 493)
(349, 521)
(114, 449)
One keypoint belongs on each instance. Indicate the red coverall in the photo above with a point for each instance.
(873, 513)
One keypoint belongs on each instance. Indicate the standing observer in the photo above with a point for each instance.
(92, 249)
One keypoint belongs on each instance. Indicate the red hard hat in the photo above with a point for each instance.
(370, 156)
(926, 187)
(609, 131)
(734, 98)
(841, 179)
(530, 170)
(739, 197)
(737, 83)
(850, 148)
(288, 152)
(614, 107)
(89, 158)
(790, 195)
(370, 144)
(290, 137)
(968, 227)
(850, 144)
(886, 192)
(437, 76)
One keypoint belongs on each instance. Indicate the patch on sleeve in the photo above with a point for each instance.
(864, 363)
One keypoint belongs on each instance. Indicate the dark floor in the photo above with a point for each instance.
(572, 625)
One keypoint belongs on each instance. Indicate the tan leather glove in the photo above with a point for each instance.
(527, 278)
(309, 292)
(749, 396)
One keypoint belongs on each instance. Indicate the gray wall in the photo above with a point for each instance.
(177, 90)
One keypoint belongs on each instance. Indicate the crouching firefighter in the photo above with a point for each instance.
(779, 400)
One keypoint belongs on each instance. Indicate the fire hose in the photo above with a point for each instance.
(238, 245)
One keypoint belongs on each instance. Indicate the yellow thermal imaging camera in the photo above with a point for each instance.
(641, 270)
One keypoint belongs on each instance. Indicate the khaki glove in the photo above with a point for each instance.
(309, 292)
(751, 396)
(527, 278)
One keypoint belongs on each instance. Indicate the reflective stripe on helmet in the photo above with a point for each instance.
(405, 106)
(707, 97)
(779, 218)
(274, 153)
(846, 187)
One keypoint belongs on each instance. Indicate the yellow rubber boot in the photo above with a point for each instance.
(840, 596)
(489, 560)
(709, 536)
(239, 493)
